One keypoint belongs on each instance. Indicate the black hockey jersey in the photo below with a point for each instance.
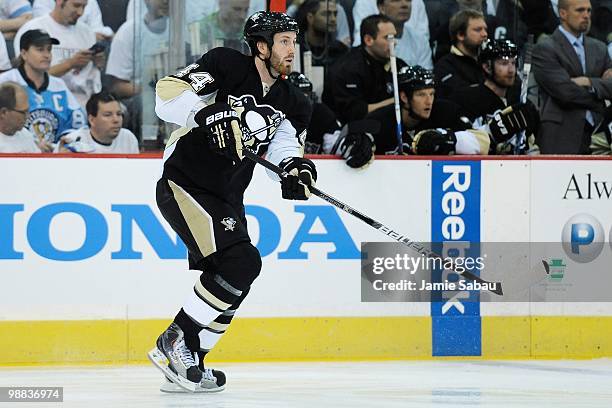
(479, 103)
(444, 114)
(357, 80)
(274, 123)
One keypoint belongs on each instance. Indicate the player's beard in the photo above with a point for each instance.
(280, 65)
(504, 82)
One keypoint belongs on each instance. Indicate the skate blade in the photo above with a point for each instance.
(172, 388)
(161, 362)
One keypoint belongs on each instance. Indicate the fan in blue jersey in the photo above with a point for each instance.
(54, 111)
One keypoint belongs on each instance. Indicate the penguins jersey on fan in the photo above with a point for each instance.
(273, 123)
(54, 111)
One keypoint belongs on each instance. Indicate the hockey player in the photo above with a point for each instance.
(490, 103)
(430, 125)
(225, 102)
(353, 142)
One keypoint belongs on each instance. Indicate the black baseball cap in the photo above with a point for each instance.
(36, 37)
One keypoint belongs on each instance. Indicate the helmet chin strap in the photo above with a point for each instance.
(268, 63)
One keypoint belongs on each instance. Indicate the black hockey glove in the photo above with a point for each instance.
(222, 128)
(434, 141)
(514, 119)
(356, 143)
(300, 170)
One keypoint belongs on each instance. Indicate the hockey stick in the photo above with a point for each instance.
(398, 116)
(414, 246)
(525, 88)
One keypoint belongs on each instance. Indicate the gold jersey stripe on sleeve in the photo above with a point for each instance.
(197, 219)
(169, 88)
(483, 140)
(176, 135)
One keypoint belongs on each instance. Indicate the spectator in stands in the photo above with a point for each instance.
(490, 103)
(105, 133)
(135, 65)
(92, 17)
(361, 81)
(73, 60)
(14, 14)
(318, 23)
(574, 74)
(14, 138)
(343, 31)
(412, 46)
(5, 62)
(54, 111)
(430, 125)
(223, 28)
(196, 10)
(418, 22)
(460, 67)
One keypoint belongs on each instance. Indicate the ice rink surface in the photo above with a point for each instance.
(404, 384)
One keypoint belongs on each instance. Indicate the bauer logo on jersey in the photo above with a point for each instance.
(258, 122)
(43, 123)
(229, 223)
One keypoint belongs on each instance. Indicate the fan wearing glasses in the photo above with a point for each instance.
(14, 106)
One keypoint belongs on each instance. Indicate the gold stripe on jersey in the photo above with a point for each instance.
(197, 219)
(218, 326)
(210, 298)
(483, 140)
(176, 135)
(169, 88)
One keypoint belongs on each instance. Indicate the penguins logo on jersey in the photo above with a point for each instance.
(229, 223)
(258, 122)
(43, 123)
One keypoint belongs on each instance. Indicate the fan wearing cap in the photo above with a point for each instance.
(430, 125)
(491, 103)
(225, 102)
(54, 111)
(75, 60)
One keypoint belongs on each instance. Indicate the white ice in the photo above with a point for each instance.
(522, 384)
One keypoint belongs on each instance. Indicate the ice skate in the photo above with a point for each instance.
(175, 360)
(212, 381)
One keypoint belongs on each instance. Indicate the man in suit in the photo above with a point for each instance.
(574, 74)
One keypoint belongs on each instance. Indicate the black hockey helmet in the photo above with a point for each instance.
(413, 78)
(264, 24)
(492, 49)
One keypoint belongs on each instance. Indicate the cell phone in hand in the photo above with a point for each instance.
(98, 47)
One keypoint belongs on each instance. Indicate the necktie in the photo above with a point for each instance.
(582, 57)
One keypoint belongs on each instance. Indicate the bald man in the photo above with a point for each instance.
(574, 74)
(14, 108)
